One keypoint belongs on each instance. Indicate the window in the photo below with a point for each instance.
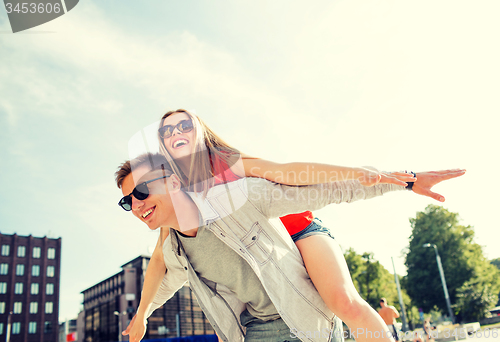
(20, 270)
(19, 288)
(18, 307)
(50, 271)
(1, 328)
(33, 307)
(16, 328)
(34, 288)
(36, 252)
(3, 287)
(5, 250)
(4, 269)
(50, 289)
(32, 328)
(21, 251)
(35, 270)
(47, 327)
(51, 253)
(2, 307)
(49, 307)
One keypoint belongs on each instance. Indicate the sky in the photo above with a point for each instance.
(391, 84)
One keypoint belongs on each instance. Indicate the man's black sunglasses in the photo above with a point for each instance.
(141, 192)
(183, 126)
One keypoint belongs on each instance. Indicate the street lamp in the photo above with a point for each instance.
(443, 281)
(400, 296)
(118, 314)
(9, 324)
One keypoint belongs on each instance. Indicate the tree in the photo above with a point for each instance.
(371, 279)
(496, 262)
(466, 270)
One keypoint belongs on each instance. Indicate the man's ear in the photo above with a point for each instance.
(174, 183)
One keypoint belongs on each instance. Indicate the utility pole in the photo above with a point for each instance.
(9, 323)
(400, 296)
(443, 281)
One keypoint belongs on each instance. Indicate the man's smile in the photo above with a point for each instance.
(147, 213)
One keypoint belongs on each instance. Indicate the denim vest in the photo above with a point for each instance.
(239, 214)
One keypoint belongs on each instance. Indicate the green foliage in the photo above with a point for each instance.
(466, 270)
(413, 315)
(496, 262)
(371, 279)
(480, 293)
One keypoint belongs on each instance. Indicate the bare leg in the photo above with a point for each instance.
(328, 270)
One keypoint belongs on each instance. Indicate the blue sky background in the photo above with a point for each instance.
(392, 84)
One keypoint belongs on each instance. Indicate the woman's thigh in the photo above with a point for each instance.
(328, 270)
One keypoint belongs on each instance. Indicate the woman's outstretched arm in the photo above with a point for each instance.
(317, 173)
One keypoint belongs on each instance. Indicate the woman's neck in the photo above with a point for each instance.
(186, 212)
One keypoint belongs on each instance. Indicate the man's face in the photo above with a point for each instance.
(157, 209)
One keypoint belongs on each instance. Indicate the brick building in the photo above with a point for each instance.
(29, 288)
(110, 305)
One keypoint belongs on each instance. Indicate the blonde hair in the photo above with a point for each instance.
(207, 147)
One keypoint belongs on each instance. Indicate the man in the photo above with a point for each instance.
(389, 315)
(267, 285)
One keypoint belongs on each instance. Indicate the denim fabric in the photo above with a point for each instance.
(270, 331)
(315, 228)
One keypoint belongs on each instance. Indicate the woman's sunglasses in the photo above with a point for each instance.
(183, 126)
(141, 192)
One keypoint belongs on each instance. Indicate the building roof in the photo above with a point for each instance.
(131, 262)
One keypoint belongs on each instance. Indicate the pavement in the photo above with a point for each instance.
(483, 335)
(479, 339)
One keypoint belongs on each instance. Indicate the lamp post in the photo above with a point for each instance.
(443, 281)
(400, 296)
(118, 314)
(9, 324)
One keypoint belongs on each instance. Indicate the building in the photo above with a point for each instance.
(109, 306)
(67, 331)
(29, 288)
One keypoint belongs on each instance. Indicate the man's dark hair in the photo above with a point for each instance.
(155, 161)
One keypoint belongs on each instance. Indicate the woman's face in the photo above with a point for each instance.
(179, 144)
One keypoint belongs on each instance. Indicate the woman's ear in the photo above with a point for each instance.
(174, 183)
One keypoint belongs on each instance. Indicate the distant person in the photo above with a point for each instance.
(417, 338)
(427, 329)
(389, 315)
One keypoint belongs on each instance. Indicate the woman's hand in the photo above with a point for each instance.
(136, 329)
(426, 180)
